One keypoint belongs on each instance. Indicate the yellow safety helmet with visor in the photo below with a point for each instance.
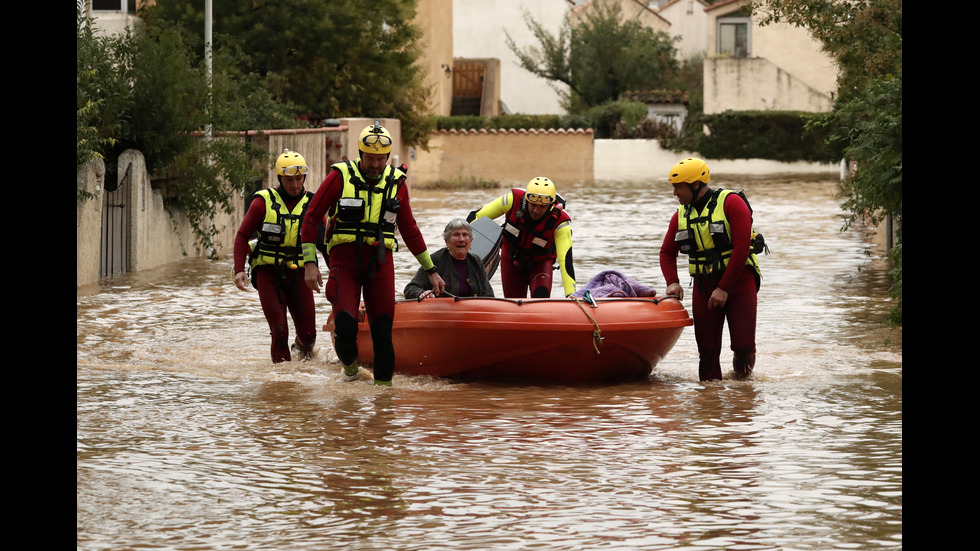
(541, 191)
(375, 139)
(291, 163)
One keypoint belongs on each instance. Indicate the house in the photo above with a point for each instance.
(688, 22)
(668, 107)
(111, 16)
(776, 67)
(628, 9)
(479, 32)
(433, 17)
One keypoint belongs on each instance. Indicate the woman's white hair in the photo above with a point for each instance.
(456, 224)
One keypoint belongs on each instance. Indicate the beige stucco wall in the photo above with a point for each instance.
(435, 19)
(511, 157)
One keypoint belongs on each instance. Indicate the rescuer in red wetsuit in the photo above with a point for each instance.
(714, 227)
(536, 232)
(365, 200)
(276, 261)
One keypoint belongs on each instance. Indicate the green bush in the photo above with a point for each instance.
(777, 135)
(506, 122)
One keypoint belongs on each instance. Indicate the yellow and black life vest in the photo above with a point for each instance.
(706, 236)
(365, 214)
(279, 242)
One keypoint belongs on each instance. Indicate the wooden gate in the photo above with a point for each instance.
(114, 252)
(467, 87)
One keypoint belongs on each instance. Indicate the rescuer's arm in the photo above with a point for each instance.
(563, 248)
(494, 208)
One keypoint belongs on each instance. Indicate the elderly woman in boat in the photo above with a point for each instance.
(463, 272)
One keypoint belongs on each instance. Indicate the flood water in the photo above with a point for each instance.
(188, 437)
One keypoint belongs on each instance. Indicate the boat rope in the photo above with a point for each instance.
(597, 337)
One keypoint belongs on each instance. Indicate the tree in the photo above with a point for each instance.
(865, 37)
(330, 59)
(599, 58)
(145, 90)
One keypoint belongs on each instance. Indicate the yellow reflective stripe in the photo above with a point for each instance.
(309, 252)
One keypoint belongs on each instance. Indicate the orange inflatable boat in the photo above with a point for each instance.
(565, 340)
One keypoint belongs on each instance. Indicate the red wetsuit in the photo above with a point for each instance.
(347, 278)
(738, 279)
(280, 289)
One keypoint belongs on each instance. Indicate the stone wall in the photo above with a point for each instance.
(88, 222)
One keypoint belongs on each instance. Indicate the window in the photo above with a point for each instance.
(733, 36)
(123, 6)
(108, 5)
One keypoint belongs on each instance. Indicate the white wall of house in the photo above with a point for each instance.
(756, 84)
(689, 22)
(782, 68)
(628, 9)
(793, 50)
(480, 29)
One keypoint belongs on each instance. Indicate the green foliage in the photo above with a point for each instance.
(871, 126)
(611, 119)
(145, 90)
(101, 93)
(329, 59)
(203, 189)
(614, 119)
(865, 37)
(778, 135)
(600, 58)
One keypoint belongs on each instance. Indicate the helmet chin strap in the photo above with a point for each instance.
(696, 192)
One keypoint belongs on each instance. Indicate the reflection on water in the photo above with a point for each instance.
(189, 437)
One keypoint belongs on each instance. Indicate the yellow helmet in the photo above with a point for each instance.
(291, 163)
(375, 139)
(688, 171)
(541, 190)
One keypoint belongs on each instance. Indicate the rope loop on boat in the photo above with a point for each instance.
(597, 337)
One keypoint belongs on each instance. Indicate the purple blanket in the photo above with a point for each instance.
(610, 283)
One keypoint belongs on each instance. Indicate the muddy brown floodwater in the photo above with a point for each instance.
(188, 437)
